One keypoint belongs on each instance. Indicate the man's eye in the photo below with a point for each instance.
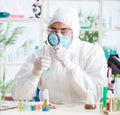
(64, 31)
(54, 31)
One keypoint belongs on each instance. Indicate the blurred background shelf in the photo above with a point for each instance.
(11, 63)
(105, 13)
(23, 20)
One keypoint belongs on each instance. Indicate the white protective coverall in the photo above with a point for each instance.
(86, 69)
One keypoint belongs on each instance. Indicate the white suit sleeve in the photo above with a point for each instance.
(25, 83)
(93, 77)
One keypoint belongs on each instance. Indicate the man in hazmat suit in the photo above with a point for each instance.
(76, 67)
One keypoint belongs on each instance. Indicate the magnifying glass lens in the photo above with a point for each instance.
(53, 39)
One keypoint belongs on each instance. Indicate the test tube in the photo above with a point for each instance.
(20, 106)
(105, 97)
(45, 100)
(39, 106)
(46, 53)
(118, 105)
(90, 102)
(32, 106)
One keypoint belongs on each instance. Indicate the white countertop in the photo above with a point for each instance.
(67, 109)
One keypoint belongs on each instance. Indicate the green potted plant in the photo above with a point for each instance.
(7, 38)
(87, 22)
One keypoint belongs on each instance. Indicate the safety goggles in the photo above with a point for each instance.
(63, 31)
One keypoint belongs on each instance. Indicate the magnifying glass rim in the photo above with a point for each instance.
(57, 37)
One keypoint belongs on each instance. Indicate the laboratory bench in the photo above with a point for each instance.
(61, 109)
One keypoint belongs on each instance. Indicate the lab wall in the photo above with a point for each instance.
(111, 16)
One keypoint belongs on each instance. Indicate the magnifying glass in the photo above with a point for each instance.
(53, 39)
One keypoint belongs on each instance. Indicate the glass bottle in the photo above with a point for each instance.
(90, 102)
